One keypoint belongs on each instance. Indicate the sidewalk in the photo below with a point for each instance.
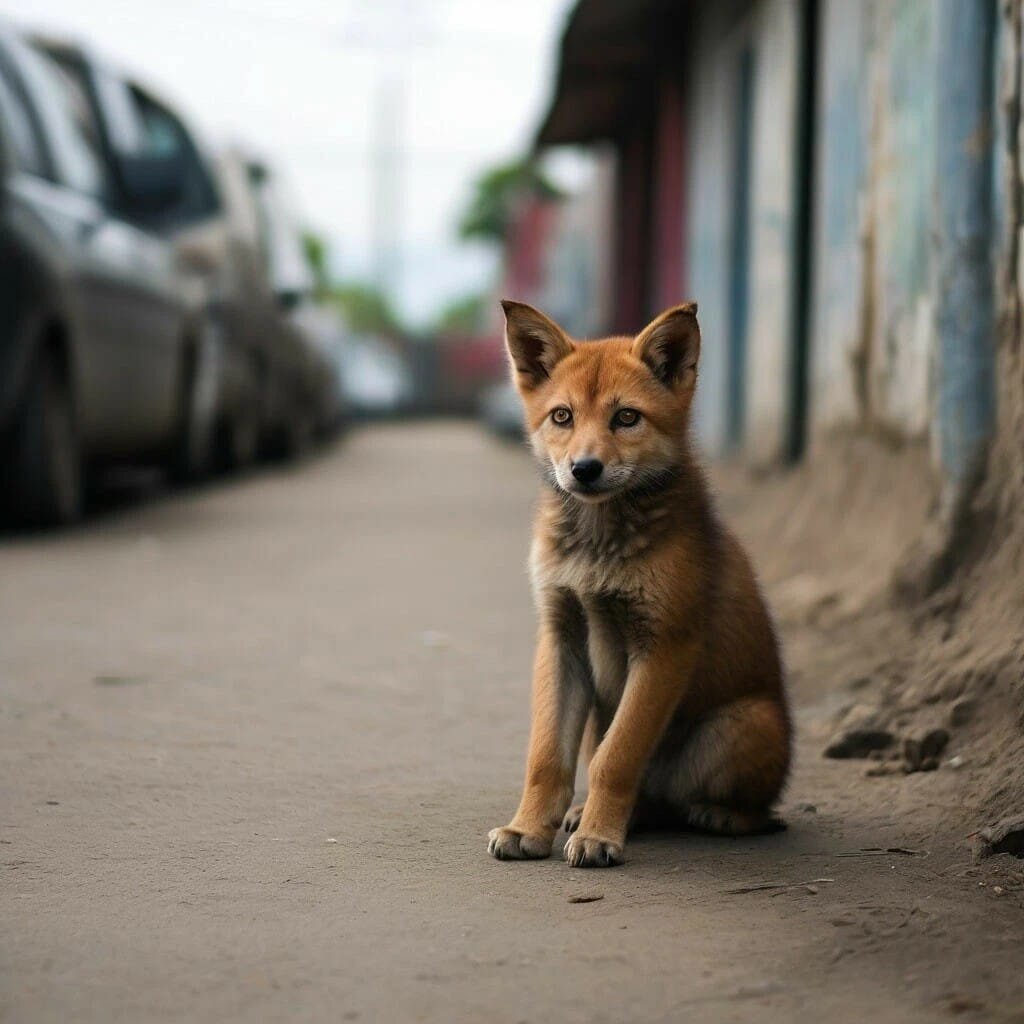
(252, 740)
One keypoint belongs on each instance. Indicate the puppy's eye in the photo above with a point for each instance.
(561, 416)
(626, 418)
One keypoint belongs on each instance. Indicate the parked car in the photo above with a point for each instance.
(308, 333)
(134, 129)
(501, 409)
(105, 352)
(376, 378)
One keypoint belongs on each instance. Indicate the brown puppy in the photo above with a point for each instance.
(654, 639)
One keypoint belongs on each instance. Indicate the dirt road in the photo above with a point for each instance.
(252, 740)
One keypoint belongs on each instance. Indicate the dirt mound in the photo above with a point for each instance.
(931, 683)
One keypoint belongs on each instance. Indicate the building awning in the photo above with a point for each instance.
(605, 48)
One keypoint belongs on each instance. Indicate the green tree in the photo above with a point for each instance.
(314, 246)
(495, 192)
(366, 308)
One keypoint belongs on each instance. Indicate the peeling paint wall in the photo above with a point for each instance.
(873, 342)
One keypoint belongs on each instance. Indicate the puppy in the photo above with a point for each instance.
(656, 655)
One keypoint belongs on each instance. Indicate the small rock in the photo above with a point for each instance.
(912, 754)
(1006, 836)
(934, 743)
(332, 840)
(805, 808)
(998, 890)
(926, 750)
(883, 768)
(956, 762)
(858, 742)
(587, 898)
(962, 712)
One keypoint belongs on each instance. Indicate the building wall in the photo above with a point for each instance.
(711, 92)
(907, 264)
(669, 194)
(842, 301)
(874, 337)
(577, 288)
(768, 391)
(757, 303)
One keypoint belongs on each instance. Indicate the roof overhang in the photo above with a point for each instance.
(605, 48)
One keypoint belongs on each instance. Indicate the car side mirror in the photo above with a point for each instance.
(152, 183)
(289, 298)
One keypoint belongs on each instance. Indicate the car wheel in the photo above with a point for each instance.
(195, 440)
(241, 441)
(299, 433)
(43, 462)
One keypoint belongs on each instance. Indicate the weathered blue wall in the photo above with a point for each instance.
(840, 294)
(904, 274)
(965, 223)
(908, 205)
(873, 342)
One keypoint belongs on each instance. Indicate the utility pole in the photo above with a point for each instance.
(389, 29)
(387, 182)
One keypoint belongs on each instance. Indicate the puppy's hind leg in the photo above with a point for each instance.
(732, 769)
(591, 738)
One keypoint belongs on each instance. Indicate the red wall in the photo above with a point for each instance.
(632, 231)
(669, 210)
(649, 256)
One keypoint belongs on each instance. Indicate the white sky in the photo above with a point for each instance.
(300, 81)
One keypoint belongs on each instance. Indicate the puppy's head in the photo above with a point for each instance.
(605, 417)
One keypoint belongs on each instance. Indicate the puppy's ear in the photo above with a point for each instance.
(535, 344)
(670, 345)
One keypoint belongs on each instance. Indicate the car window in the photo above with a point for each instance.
(162, 134)
(67, 123)
(18, 128)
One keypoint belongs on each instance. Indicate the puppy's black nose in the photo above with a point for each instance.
(587, 470)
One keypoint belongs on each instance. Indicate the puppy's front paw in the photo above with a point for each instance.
(590, 852)
(511, 844)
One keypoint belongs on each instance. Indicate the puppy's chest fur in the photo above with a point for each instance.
(595, 562)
